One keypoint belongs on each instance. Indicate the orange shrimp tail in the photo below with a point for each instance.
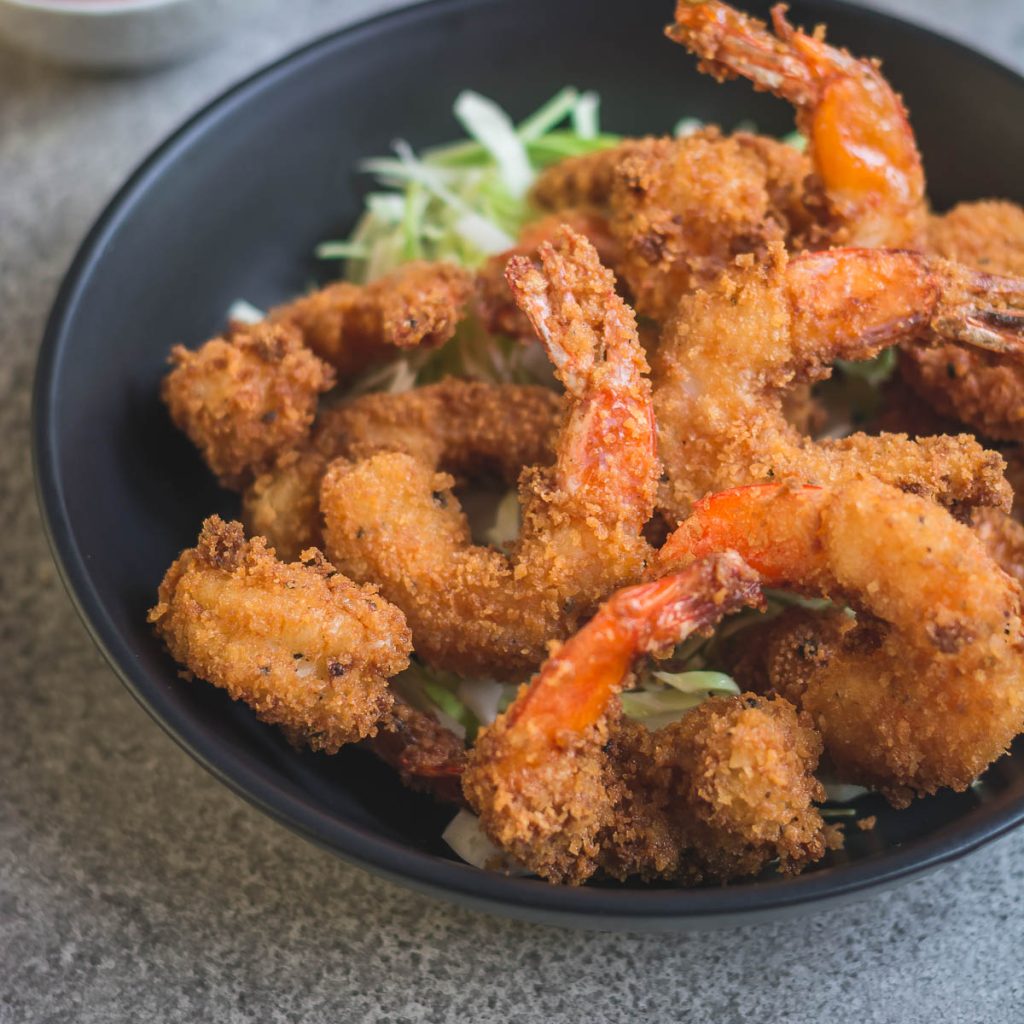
(747, 520)
(861, 141)
(573, 688)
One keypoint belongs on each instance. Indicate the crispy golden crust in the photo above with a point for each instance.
(1001, 532)
(569, 787)
(467, 428)
(498, 311)
(585, 181)
(354, 326)
(977, 388)
(245, 398)
(429, 757)
(392, 517)
(742, 767)
(988, 234)
(683, 209)
(282, 505)
(859, 138)
(717, 796)
(732, 352)
(981, 389)
(553, 815)
(303, 646)
(1003, 537)
(926, 687)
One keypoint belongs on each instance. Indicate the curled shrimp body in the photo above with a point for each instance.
(682, 209)
(674, 212)
(354, 326)
(245, 398)
(392, 518)
(568, 787)
(463, 427)
(304, 647)
(925, 687)
(733, 351)
(859, 138)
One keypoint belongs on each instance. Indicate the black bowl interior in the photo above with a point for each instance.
(232, 206)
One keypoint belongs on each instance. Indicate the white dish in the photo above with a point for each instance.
(114, 34)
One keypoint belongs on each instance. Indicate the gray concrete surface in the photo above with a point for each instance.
(133, 887)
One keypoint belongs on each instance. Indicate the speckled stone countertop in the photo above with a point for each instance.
(134, 887)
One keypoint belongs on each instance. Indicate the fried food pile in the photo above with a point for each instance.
(672, 476)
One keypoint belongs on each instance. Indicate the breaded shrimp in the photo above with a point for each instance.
(732, 351)
(683, 209)
(303, 646)
(466, 428)
(981, 389)
(496, 305)
(568, 787)
(925, 688)
(1001, 532)
(859, 139)
(245, 398)
(354, 326)
(583, 181)
(392, 517)
(427, 756)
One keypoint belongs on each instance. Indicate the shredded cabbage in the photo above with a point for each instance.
(243, 312)
(467, 200)
(465, 836)
(842, 792)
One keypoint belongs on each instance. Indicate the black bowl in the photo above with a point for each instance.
(233, 204)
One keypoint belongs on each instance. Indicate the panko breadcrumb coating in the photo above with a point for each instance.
(496, 305)
(569, 787)
(393, 518)
(727, 247)
(245, 398)
(859, 138)
(303, 646)
(354, 326)
(583, 181)
(683, 209)
(734, 780)
(426, 755)
(731, 352)
(981, 389)
(925, 688)
(467, 428)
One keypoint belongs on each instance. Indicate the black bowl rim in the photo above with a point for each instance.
(519, 897)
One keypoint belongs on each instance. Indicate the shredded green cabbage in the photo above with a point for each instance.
(466, 200)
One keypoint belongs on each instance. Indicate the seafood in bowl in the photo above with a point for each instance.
(626, 338)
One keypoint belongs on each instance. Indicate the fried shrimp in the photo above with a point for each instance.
(731, 352)
(859, 139)
(427, 756)
(353, 326)
(583, 181)
(245, 398)
(568, 787)
(981, 389)
(683, 209)
(925, 687)
(495, 303)
(392, 517)
(303, 646)
(466, 428)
